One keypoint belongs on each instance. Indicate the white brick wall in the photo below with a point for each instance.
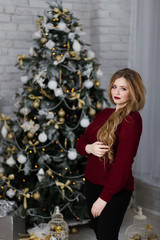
(106, 23)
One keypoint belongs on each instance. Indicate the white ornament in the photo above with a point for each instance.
(61, 26)
(58, 92)
(1, 170)
(4, 131)
(90, 54)
(30, 126)
(88, 70)
(76, 46)
(24, 79)
(42, 137)
(25, 110)
(50, 44)
(72, 154)
(50, 115)
(46, 25)
(88, 84)
(99, 73)
(10, 161)
(78, 31)
(84, 122)
(52, 84)
(38, 34)
(21, 159)
(40, 174)
(10, 193)
(1, 158)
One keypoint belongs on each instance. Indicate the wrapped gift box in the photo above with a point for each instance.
(10, 227)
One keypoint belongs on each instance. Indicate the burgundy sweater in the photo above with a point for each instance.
(118, 175)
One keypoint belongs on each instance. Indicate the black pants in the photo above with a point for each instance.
(108, 224)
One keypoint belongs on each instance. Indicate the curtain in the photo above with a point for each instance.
(144, 57)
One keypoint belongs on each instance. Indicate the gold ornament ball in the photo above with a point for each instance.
(58, 228)
(49, 172)
(30, 135)
(137, 237)
(10, 136)
(53, 227)
(98, 105)
(61, 112)
(36, 195)
(43, 40)
(92, 112)
(1, 174)
(59, 58)
(11, 176)
(62, 120)
(97, 83)
(73, 94)
(56, 126)
(74, 230)
(36, 104)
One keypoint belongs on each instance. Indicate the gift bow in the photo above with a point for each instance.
(59, 12)
(80, 101)
(4, 118)
(62, 186)
(26, 195)
(20, 59)
(37, 98)
(46, 95)
(11, 150)
(33, 145)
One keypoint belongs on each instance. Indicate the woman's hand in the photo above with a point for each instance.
(98, 207)
(97, 148)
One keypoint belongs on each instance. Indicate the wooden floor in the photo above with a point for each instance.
(86, 233)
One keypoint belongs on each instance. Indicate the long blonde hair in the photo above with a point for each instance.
(106, 133)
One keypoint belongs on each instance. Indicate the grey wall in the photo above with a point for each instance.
(107, 27)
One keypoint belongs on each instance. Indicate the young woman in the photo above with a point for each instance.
(111, 142)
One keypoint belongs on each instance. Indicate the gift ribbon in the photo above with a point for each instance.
(148, 227)
(49, 122)
(11, 150)
(37, 98)
(62, 186)
(9, 178)
(26, 195)
(4, 118)
(33, 145)
(75, 55)
(45, 94)
(80, 78)
(20, 59)
(80, 101)
(59, 12)
(38, 21)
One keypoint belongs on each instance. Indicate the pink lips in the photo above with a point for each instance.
(116, 97)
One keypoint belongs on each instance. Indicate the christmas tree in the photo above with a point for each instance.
(61, 95)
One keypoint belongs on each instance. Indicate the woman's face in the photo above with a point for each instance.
(120, 92)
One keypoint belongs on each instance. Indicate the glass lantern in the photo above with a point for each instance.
(58, 227)
(140, 230)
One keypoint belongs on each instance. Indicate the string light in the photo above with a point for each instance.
(30, 151)
(35, 118)
(2, 187)
(24, 180)
(36, 166)
(84, 179)
(74, 183)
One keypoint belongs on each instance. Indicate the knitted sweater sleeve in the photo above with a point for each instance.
(128, 141)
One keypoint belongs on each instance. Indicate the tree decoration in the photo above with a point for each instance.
(59, 97)
(42, 137)
(10, 161)
(72, 154)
